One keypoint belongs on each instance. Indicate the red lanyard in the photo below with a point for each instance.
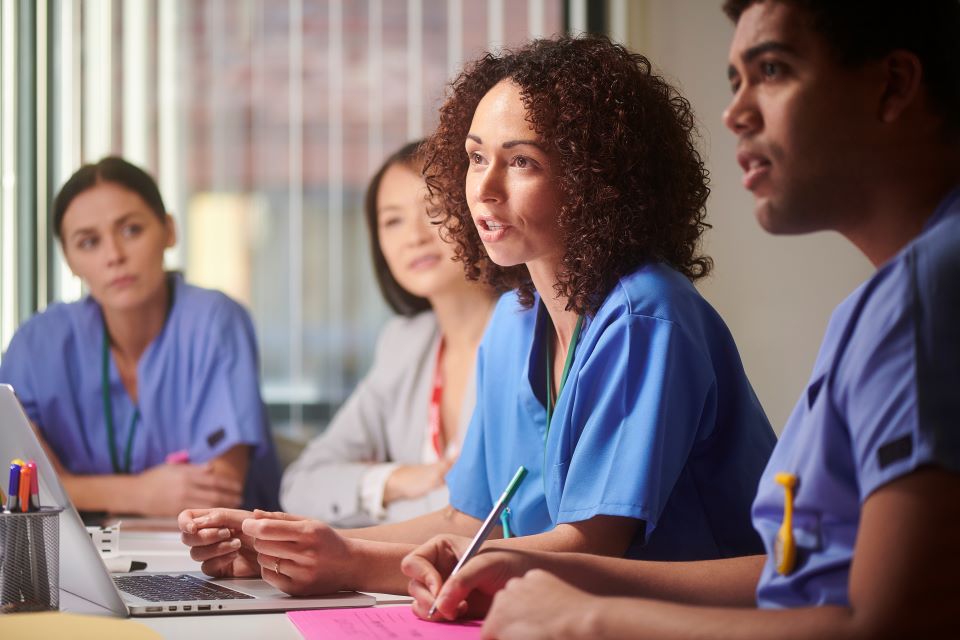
(436, 395)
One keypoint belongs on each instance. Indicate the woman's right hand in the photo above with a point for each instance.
(470, 592)
(217, 541)
(411, 481)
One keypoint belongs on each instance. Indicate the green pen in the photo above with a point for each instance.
(487, 526)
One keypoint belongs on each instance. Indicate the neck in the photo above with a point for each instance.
(544, 276)
(462, 315)
(898, 204)
(132, 330)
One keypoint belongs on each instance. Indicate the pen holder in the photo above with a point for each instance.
(30, 560)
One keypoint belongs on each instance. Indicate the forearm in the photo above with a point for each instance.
(729, 582)
(610, 618)
(233, 463)
(111, 493)
(375, 566)
(418, 530)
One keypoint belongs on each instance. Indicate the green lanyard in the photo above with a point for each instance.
(108, 412)
(566, 365)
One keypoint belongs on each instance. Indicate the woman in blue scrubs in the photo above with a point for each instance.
(145, 391)
(567, 171)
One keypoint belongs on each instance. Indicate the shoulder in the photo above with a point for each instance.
(935, 258)
(509, 312)
(406, 340)
(421, 327)
(919, 287)
(510, 322)
(193, 305)
(657, 292)
(59, 323)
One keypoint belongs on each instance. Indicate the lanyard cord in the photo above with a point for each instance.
(566, 365)
(433, 416)
(108, 412)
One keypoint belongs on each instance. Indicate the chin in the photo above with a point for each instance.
(503, 259)
(778, 221)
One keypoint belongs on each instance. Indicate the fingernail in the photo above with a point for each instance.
(201, 520)
(235, 543)
(223, 533)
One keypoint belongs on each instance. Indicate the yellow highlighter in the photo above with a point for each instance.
(785, 549)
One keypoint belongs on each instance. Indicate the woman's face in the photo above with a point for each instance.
(510, 184)
(114, 242)
(419, 260)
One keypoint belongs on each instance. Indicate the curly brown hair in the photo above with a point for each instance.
(631, 181)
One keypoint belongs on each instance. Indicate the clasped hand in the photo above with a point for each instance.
(297, 555)
(467, 594)
(499, 584)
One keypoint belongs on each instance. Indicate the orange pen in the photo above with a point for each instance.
(25, 488)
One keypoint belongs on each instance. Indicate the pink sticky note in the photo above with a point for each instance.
(375, 623)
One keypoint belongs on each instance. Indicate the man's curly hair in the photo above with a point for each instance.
(631, 181)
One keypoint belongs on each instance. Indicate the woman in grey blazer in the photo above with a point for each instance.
(384, 455)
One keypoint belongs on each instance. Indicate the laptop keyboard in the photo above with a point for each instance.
(175, 588)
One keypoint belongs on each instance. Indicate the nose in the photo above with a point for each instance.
(421, 231)
(113, 249)
(742, 116)
(489, 186)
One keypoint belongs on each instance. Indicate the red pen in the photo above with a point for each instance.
(34, 486)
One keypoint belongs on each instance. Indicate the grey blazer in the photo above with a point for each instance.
(384, 421)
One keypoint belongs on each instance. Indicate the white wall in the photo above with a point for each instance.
(776, 293)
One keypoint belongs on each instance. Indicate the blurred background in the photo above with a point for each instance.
(262, 121)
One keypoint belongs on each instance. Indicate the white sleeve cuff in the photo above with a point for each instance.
(372, 485)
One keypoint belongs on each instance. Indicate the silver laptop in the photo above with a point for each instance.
(83, 573)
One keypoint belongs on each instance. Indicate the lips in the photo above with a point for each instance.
(423, 262)
(491, 229)
(756, 168)
(122, 281)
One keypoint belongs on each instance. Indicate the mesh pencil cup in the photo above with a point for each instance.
(30, 560)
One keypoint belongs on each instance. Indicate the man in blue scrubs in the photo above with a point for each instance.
(847, 116)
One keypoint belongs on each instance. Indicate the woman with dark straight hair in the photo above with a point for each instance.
(147, 390)
(385, 454)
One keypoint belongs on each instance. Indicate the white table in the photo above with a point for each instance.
(162, 551)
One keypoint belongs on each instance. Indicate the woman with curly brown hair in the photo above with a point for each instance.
(607, 375)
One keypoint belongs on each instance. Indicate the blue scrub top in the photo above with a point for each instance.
(656, 422)
(197, 383)
(883, 400)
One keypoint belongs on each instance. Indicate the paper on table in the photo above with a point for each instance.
(377, 623)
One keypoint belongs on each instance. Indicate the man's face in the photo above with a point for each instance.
(803, 122)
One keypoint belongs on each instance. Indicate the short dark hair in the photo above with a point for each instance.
(632, 184)
(398, 298)
(858, 31)
(110, 169)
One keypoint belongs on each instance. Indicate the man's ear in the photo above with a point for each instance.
(903, 75)
(171, 226)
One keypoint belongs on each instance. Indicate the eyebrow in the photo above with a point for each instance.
(88, 230)
(510, 143)
(756, 51)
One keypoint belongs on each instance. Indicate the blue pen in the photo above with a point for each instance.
(13, 504)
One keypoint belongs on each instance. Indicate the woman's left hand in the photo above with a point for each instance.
(297, 555)
(538, 605)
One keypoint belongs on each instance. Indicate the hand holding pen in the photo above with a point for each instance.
(448, 556)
